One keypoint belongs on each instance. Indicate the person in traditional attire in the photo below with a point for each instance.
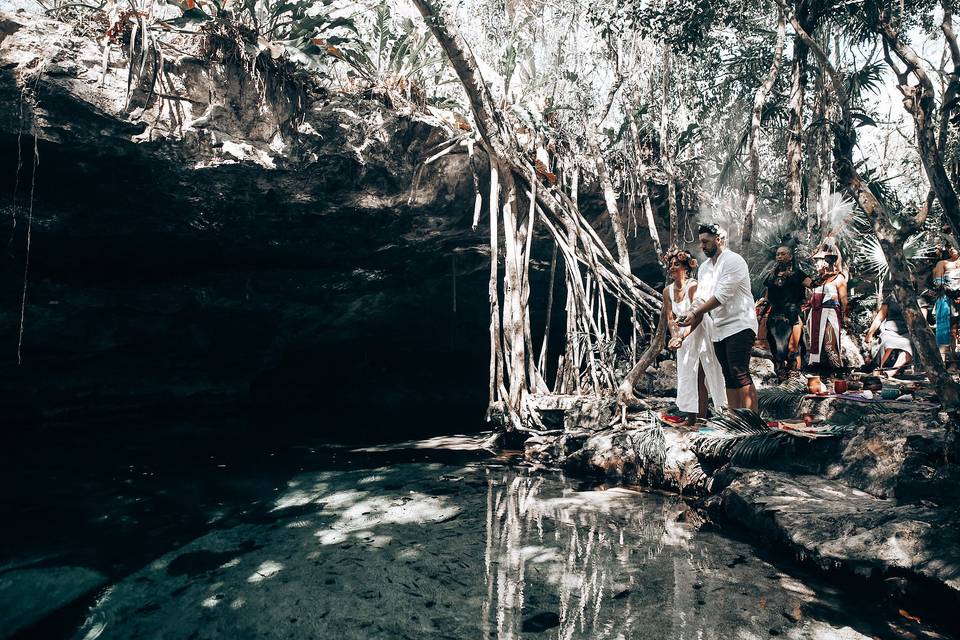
(784, 295)
(946, 281)
(724, 293)
(698, 370)
(828, 306)
(895, 350)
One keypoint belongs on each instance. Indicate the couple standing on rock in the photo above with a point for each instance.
(713, 325)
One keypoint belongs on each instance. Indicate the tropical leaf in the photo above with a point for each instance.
(743, 437)
(866, 79)
(839, 216)
(862, 119)
(783, 400)
(872, 261)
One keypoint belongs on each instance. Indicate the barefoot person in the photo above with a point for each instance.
(725, 293)
(828, 306)
(785, 293)
(698, 371)
(895, 350)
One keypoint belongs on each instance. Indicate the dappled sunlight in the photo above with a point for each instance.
(473, 551)
(895, 550)
(299, 524)
(795, 586)
(212, 601)
(443, 443)
(820, 631)
(265, 571)
(298, 497)
(361, 513)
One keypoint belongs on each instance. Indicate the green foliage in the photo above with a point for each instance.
(392, 55)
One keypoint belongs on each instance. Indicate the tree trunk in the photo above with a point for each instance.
(665, 151)
(798, 75)
(818, 154)
(613, 211)
(953, 84)
(753, 150)
(919, 101)
(496, 347)
(651, 221)
(625, 392)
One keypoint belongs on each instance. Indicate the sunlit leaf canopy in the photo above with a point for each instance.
(555, 65)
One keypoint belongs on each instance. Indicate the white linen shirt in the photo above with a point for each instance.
(728, 280)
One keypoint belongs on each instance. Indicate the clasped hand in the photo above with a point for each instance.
(686, 319)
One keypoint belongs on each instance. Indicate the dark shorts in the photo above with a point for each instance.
(733, 352)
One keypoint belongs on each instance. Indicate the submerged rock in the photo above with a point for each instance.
(834, 525)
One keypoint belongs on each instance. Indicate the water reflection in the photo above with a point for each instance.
(431, 550)
(577, 561)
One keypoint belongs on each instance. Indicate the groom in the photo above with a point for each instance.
(725, 293)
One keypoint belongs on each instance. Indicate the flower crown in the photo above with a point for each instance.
(682, 256)
(712, 228)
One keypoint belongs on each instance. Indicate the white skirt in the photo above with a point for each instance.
(695, 352)
(890, 339)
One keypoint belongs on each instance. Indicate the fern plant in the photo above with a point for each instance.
(649, 441)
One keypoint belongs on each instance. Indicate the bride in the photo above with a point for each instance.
(698, 370)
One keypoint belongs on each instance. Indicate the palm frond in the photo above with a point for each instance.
(783, 400)
(872, 260)
(839, 216)
(742, 437)
(866, 79)
(649, 441)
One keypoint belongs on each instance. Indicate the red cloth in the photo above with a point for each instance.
(816, 311)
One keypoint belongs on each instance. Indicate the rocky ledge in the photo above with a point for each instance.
(878, 500)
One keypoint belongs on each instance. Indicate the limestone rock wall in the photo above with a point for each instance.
(244, 240)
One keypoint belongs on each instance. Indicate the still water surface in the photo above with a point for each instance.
(423, 539)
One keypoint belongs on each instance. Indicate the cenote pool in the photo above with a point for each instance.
(198, 536)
